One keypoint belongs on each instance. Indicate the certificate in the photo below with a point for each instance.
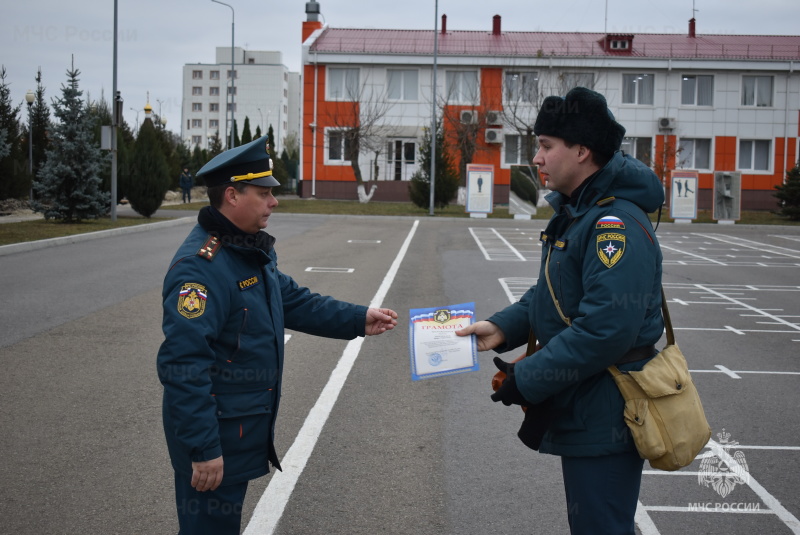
(435, 349)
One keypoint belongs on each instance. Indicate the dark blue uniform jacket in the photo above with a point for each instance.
(605, 268)
(226, 306)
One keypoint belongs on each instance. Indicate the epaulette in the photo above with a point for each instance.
(210, 248)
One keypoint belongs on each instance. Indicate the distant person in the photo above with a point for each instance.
(226, 307)
(186, 185)
(679, 186)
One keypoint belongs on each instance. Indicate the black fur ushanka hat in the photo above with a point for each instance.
(581, 117)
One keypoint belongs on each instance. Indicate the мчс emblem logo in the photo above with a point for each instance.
(441, 316)
(610, 248)
(724, 474)
(192, 300)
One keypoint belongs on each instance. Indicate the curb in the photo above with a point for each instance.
(66, 240)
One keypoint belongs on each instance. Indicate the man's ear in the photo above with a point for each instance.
(231, 195)
(584, 153)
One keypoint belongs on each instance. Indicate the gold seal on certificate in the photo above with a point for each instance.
(435, 349)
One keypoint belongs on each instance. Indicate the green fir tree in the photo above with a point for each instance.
(446, 183)
(788, 194)
(247, 137)
(14, 178)
(149, 179)
(69, 184)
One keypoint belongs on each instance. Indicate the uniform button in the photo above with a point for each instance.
(219, 413)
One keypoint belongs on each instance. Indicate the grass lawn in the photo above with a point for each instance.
(40, 229)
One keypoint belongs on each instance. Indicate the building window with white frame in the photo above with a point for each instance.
(521, 86)
(228, 107)
(213, 107)
(235, 74)
(640, 148)
(232, 90)
(516, 150)
(197, 123)
(197, 75)
(697, 90)
(213, 91)
(197, 91)
(343, 83)
(402, 84)
(213, 75)
(694, 154)
(638, 89)
(213, 123)
(196, 140)
(462, 86)
(754, 154)
(197, 106)
(338, 146)
(757, 91)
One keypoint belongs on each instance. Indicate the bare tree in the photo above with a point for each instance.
(360, 124)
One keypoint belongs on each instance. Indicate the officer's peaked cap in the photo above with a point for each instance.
(246, 164)
(581, 117)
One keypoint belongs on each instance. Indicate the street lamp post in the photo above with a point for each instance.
(233, 73)
(29, 98)
(136, 132)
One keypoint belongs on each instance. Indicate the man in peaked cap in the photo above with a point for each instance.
(226, 306)
(597, 303)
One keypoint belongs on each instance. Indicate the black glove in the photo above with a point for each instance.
(508, 392)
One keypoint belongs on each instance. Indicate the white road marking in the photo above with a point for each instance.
(272, 503)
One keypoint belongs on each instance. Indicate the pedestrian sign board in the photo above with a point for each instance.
(683, 195)
(480, 183)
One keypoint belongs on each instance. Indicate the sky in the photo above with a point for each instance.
(156, 38)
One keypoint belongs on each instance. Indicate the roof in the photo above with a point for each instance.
(550, 44)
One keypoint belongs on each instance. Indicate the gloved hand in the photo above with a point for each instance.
(508, 392)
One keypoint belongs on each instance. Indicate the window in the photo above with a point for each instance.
(521, 86)
(517, 150)
(694, 153)
(639, 147)
(638, 88)
(196, 140)
(213, 91)
(213, 107)
(754, 154)
(228, 107)
(462, 86)
(757, 91)
(402, 85)
(697, 90)
(197, 123)
(197, 91)
(235, 74)
(343, 84)
(197, 75)
(251, 61)
(338, 146)
(619, 44)
(214, 75)
(213, 123)
(197, 106)
(232, 90)
(570, 80)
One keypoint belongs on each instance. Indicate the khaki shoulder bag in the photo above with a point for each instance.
(662, 405)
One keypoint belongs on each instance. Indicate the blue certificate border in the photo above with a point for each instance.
(417, 313)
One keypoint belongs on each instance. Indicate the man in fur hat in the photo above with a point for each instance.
(597, 303)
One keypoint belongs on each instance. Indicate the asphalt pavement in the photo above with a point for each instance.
(84, 449)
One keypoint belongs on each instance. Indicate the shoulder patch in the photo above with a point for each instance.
(610, 248)
(610, 222)
(210, 248)
(192, 300)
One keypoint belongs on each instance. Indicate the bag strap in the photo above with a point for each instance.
(664, 310)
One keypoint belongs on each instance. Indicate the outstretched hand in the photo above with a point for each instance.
(489, 335)
(380, 320)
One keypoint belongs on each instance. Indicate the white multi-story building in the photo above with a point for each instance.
(264, 91)
(712, 104)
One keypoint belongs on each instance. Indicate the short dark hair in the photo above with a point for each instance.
(217, 193)
(600, 159)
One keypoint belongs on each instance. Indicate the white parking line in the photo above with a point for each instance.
(270, 507)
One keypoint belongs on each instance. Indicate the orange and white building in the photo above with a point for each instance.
(688, 101)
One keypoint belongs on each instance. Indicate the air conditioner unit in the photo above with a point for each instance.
(494, 135)
(494, 118)
(469, 117)
(667, 123)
